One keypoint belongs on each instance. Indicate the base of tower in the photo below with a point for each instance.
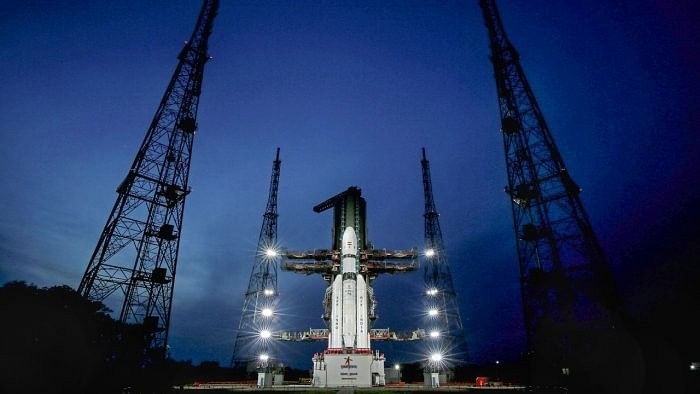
(431, 379)
(348, 368)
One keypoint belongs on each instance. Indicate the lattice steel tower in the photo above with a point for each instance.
(444, 319)
(261, 295)
(136, 255)
(567, 289)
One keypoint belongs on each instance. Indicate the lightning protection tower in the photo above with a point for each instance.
(567, 290)
(136, 255)
(261, 296)
(445, 331)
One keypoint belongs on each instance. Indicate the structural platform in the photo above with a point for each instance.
(375, 334)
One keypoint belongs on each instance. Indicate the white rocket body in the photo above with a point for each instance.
(349, 298)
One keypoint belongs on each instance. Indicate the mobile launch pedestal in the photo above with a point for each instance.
(349, 304)
(352, 369)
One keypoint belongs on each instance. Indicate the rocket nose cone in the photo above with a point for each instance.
(349, 240)
(349, 232)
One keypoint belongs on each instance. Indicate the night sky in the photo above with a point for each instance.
(350, 92)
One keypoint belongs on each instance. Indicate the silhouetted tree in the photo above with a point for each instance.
(52, 340)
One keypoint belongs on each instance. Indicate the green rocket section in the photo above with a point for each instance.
(349, 210)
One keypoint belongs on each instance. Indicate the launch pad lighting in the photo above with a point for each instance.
(397, 367)
(436, 357)
(270, 252)
(264, 357)
(265, 334)
(267, 312)
(269, 292)
(434, 334)
(433, 312)
(430, 253)
(431, 292)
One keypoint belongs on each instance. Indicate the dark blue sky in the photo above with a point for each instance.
(350, 91)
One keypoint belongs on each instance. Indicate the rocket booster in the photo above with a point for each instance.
(335, 339)
(362, 316)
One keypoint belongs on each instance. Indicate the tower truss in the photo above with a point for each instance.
(261, 296)
(136, 255)
(567, 289)
(444, 319)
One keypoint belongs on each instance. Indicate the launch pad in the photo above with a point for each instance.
(349, 268)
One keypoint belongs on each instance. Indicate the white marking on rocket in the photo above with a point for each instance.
(335, 339)
(362, 329)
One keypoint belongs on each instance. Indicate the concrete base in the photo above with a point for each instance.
(447, 376)
(348, 369)
(264, 379)
(392, 375)
(431, 379)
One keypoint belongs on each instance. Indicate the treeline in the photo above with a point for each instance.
(52, 340)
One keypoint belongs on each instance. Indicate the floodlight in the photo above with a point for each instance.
(269, 252)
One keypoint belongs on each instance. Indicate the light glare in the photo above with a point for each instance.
(267, 312)
(430, 253)
(433, 312)
(264, 357)
(270, 252)
(265, 334)
(436, 357)
(434, 334)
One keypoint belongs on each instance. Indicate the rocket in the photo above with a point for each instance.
(349, 299)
